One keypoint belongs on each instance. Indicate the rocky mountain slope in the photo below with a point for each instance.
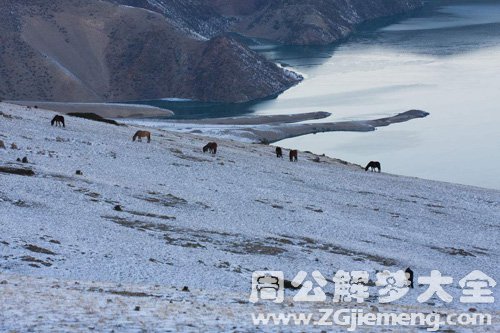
(300, 22)
(118, 50)
(99, 51)
(165, 216)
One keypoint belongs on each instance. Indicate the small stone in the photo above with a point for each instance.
(13, 146)
(137, 308)
(25, 160)
(79, 172)
(472, 310)
(3, 282)
(185, 289)
(118, 208)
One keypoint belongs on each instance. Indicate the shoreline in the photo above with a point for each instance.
(105, 110)
(265, 129)
(258, 120)
(281, 132)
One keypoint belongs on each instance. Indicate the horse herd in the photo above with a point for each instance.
(211, 147)
(293, 155)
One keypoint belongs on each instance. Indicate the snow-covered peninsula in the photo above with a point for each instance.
(162, 236)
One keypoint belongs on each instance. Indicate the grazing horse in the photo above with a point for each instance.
(58, 120)
(294, 155)
(409, 277)
(279, 152)
(211, 147)
(373, 165)
(142, 134)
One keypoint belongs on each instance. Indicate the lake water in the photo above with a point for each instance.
(445, 60)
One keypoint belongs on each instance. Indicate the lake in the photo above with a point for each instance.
(445, 60)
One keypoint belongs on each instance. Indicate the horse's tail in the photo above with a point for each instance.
(62, 120)
(149, 137)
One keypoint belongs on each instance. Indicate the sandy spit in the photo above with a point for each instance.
(105, 110)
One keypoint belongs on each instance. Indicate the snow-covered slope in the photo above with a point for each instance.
(207, 222)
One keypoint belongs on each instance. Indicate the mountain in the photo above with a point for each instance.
(122, 50)
(99, 51)
(300, 22)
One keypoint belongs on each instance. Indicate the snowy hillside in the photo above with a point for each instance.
(206, 222)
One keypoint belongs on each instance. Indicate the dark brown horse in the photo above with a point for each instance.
(211, 147)
(373, 165)
(279, 152)
(142, 134)
(58, 121)
(409, 277)
(294, 155)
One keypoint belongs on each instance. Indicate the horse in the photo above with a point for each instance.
(373, 165)
(211, 147)
(58, 120)
(294, 155)
(409, 277)
(279, 152)
(142, 134)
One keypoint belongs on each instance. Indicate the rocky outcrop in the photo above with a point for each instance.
(96, 51)
(217, 73)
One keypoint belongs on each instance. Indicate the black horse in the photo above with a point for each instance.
(58, 120)
(279, 152)
(373, 165)
(409, 277)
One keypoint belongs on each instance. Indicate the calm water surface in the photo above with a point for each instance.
(444, 60)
